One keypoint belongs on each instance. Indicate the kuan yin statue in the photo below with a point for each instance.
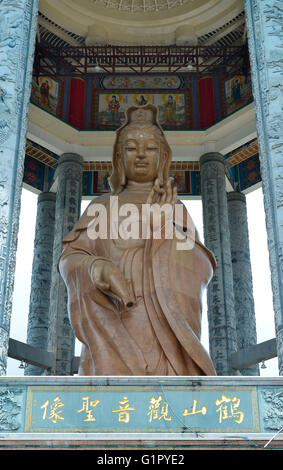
(135, 302)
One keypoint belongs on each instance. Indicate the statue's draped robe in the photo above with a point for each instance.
(160, 334)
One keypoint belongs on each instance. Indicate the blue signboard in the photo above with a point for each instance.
(141, 408)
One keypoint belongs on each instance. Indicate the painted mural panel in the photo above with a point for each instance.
(171, 106)
(238, 92)
(34, 173)
(95, 181)
(179, 180)
(45, 93)
(134, 81)
(107, 97)
(249, 172)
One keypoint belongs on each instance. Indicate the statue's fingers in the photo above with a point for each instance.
(168, 191)
(102, 285)
(119, 287)
(163, 197)
(157, 188)
(156, 185)
(97, 276)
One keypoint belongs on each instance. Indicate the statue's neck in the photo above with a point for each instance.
(135, 186)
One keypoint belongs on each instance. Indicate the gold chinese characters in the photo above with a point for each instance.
(157, 409)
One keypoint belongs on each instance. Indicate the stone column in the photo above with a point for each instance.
(38, 320)
(61, 339)
(17, 40)
(242, 275)
(220, 294)
(264, 19)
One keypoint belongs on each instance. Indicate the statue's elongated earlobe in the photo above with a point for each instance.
(160, 174)
(121, 170)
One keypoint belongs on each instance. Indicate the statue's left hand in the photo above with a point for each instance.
(110, 280)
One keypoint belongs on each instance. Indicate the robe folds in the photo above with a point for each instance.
(160, 334)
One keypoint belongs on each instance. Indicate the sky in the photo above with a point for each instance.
(259, 260)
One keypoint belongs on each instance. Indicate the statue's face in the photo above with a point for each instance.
(141, 153)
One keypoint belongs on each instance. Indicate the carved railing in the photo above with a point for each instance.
(81, 60)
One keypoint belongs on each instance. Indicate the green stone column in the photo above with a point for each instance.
(61, 339)
(220, 293)
(18, 22)
(242, 275)
(38, 320)
(264, 20)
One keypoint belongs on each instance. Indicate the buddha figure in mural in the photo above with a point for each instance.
(134, 267)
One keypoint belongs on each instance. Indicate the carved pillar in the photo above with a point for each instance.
(220, 294)
(264, 19)
(242, 275)
(38, 320)
(17, 39)
(61, 339)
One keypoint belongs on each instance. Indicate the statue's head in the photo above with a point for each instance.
(141, 152)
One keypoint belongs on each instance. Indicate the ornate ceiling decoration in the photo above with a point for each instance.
(141, 22)
(230, 33)
(141, 6)
(51, 33)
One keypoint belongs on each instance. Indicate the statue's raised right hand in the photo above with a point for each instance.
(110, 280)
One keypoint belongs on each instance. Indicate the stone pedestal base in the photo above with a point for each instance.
(140, 412)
